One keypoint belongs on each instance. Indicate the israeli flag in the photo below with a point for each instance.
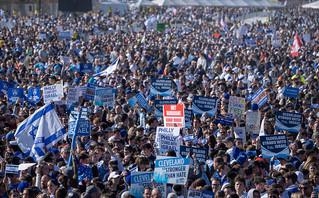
(42, 129)
(143, 39)
(150, 23)
(13, 169)
(223, 24)
(108, 70)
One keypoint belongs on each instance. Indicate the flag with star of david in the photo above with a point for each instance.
(41, 129)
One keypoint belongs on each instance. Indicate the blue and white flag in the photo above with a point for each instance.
(41, 129)
(143, 39)
(108, 70)
(12, 169)
(223, 24)
(150, 23)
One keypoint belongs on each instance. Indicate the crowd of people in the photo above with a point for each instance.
(203, 57)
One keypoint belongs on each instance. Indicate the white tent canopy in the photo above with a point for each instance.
(114, 5)
(213, 3)
(314, 5)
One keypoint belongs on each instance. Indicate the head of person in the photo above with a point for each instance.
(53, 185)
(156, 193)
(147, 192)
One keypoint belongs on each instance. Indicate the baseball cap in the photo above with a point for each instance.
(114, 175)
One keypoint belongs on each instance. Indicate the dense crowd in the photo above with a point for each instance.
(201, 57)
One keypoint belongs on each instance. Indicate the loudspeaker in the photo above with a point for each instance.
(75, 5)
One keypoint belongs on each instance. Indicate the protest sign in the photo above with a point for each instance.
(188, 138)
(66, 60)
(52, 92)
(236, 107)
(174, 116)
(159, 106)
(90, 91)
(252, 122)
(86, 68)
(167, 138)
(12, 169)
(291, 92)
(104, 97)
(14, 94)
(34, 94)
(42, 36)
(188, 118)
(84, 128)
(4, 86)
(193, 193)
(259, 97)
(251, 42)
(172, 170)
(288, 121)
(307, 38)
(160, 27)
(203, 104)
(59, 28)
(139, 99)
(74, 112)
(65, 35)
(225, 120)
(161, 87)
(207, 194)
(274, 145)
(200, 153)
(239, 132)
(276, 43)
(81, 90)
(72, 95)
(141, 180)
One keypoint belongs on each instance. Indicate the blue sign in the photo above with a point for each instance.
(65, 35)
(159, 106)
(288, 121)
(259, 97)
(139, 99)
(291, 92)
(207, 194)
(161, 87)
(34, 94)
(188, 118)
(141, 180)
(200, 153)
(274, 145)
(104, 97)
(251, 42)
(225, 120)
(14, 94)
(90, 91)
(203, 104)
(171, 170)
(4, 86)
(86, 68)
(84, 128)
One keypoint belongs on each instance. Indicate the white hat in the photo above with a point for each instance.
(114, 175)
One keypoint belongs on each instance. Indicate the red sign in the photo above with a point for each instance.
(174, 115)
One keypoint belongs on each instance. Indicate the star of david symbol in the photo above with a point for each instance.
(33, 131)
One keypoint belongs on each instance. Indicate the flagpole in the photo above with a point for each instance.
(74, 135)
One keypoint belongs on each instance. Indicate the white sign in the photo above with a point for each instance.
(72, 95)
(167, 138)
(240, 133)
(253, 122)
(53, 92)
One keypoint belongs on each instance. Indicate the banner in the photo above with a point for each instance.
(34, 94)
(252, 122)
(141, 180)
(291, 92)
(159, 106)
(139, 99)
(259, 97)
(174, 116)
(225, 120)
(200, 153)
(274, 145)
(236, 107)
(239, 132)
(203, 104)
(288, 121)
(167, 138)
(171, 170)
(188, 118)
(104, 97)
(86, 68)
(161, 87)
(52, 92)
(14, 94)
